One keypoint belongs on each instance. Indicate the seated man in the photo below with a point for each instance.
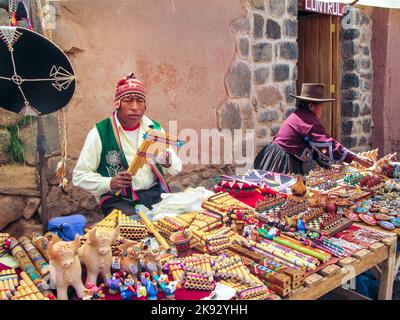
(111, 146)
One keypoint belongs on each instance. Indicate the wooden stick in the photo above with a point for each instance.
(153, 230)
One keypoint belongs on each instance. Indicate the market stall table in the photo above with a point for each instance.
(335, 275)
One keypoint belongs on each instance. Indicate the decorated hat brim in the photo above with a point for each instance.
(308, 99)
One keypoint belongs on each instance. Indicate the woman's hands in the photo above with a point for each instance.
(364, 161)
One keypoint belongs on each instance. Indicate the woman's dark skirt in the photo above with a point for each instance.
(275, 159)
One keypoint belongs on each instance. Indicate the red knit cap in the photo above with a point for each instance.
(127, 86)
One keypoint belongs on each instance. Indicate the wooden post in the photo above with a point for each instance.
(41, 148)
(41, 142)
(387, 277)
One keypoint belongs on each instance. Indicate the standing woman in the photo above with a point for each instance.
(302, 138)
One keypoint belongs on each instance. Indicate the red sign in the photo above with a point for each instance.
(331, 8)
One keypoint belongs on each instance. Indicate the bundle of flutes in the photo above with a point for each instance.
(27, 290)
(154, 143)
(256, 291)
(233, 267)
(200, 265)
(206, 221)
(214, 241)
(223, 203)
(8, 283)
(167, 226)
(131, 229)
(199, 282)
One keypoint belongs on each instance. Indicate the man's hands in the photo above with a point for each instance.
(121, 181)
(164, 160)
(364, 161)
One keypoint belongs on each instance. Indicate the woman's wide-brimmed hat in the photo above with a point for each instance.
(313, 92)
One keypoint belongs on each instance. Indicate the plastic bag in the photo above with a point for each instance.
(68, 227)
(173, 204)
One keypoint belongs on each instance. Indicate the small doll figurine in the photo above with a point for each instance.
(152, 290)
(169, 288)
(113, 283)
(127, 289)
(141, 291)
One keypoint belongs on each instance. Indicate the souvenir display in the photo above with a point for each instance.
(254, 236)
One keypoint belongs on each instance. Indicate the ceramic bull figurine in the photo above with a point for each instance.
(96, 254)
(65, 267)
(131, 257)
(152, 260)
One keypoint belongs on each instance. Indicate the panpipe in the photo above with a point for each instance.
(8, 283)
(41, 243)
(233, 267)
(110, 222)
(150, 226)
(154, 143)
(176, 271)
(254, 293)
(198, 282)
(249, 292)
(223, 203)
(215, 241)
(167, 226)
(130, 228)
(40, 263)
(207, 220)
(200, 265)
(27, 290)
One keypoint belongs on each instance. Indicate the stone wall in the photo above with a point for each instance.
(264, 72)
(357, 85)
